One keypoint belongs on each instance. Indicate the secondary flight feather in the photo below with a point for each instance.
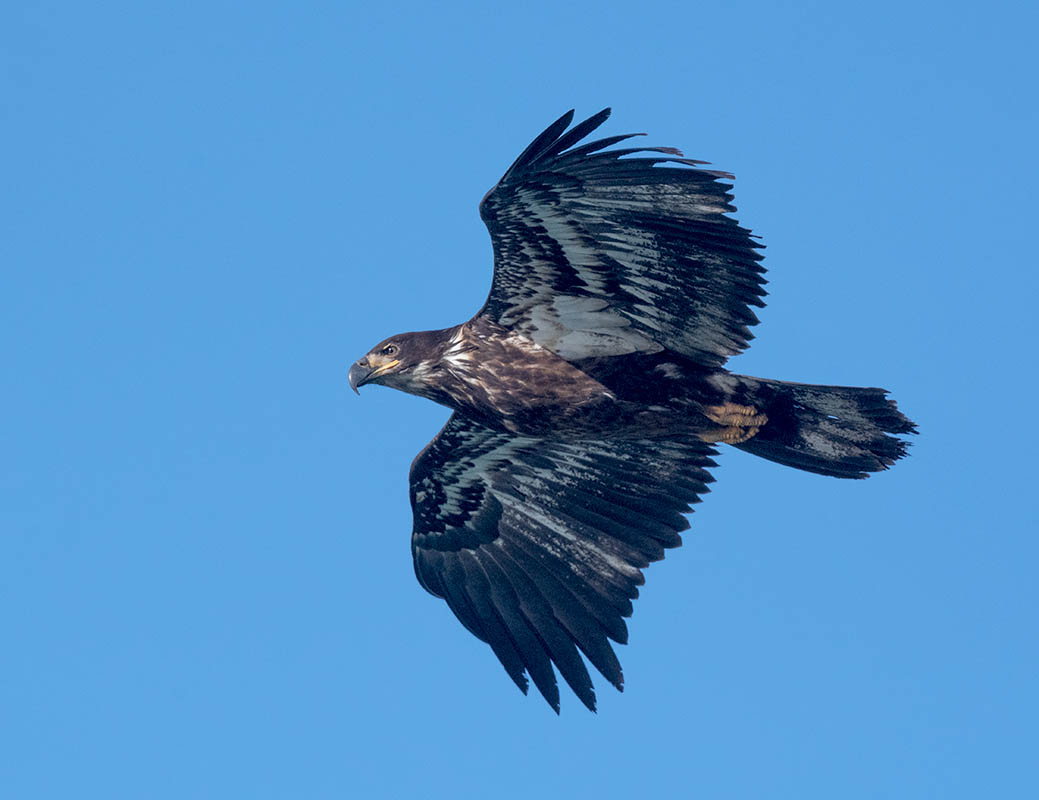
(589, 398)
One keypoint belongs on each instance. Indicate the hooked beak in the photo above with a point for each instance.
(364, 372)
(358, 374)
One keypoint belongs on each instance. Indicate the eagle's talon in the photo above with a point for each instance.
(741, 423)
(732, 435)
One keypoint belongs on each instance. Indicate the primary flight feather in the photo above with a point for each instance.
(589, 395)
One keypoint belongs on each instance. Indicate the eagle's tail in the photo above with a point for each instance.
(832, 430)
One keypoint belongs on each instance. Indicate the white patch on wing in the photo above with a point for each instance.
(677, 198)
(574, 245)
(577, 550)
(576, 327)
(668, 370)
(723, 382)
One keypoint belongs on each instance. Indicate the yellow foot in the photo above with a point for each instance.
(734, 415)
(739, 423)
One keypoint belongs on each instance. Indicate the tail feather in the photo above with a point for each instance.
(843, 431)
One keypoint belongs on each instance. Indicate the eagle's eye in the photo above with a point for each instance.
(390, 350)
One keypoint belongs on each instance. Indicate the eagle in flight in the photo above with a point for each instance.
(590, 396)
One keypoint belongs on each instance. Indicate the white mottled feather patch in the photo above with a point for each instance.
(581, 327)
(669, 370)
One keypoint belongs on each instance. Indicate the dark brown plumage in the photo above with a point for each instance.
(589, 395)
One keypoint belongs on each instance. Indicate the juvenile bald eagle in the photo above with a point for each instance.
(589, 394)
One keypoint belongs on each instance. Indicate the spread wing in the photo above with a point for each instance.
(599, 255)
(538, 545)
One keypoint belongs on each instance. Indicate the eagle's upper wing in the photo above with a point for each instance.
(538, 545)
(598, 255)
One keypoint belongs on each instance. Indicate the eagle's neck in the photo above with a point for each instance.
(446, 375)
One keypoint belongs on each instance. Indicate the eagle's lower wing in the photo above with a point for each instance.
(598, 255)
(538, 545)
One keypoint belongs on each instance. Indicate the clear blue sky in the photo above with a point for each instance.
(210, 209)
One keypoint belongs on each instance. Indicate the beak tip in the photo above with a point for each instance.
(355, 377)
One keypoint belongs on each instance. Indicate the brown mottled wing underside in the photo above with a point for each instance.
(596, 254)
(538, 545)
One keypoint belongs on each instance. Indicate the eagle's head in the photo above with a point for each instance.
(403, 362)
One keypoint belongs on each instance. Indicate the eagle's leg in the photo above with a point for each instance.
(739, 423)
